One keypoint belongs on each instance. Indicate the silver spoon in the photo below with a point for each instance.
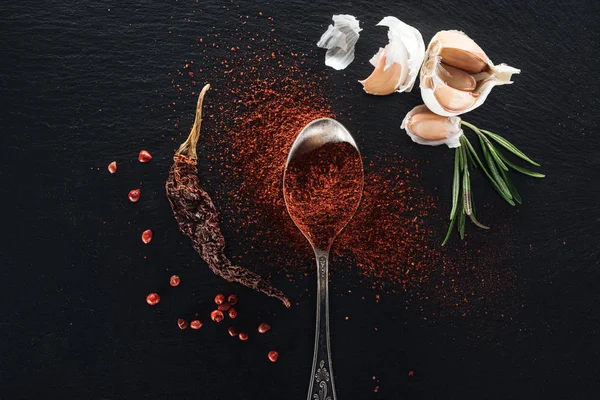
(315, 135)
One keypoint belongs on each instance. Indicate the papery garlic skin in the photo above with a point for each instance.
(430, 129)
(452, 62)
(339, 40)
(397, 65)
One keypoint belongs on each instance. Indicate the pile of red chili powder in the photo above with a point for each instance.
(263, 95)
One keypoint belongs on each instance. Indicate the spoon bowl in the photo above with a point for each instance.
(322, 186)
(317, 133)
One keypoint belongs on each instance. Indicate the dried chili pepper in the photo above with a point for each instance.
(112, 167)
(197, 216)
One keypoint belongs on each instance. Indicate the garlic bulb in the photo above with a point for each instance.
(397, 65)
(339, 40)
(457, 76)
(425, 127)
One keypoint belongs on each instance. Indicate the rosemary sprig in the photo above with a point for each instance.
(522, 170)
(509, 146)
(456, 184)
(496, 167)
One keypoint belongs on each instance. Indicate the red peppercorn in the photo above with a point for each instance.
(224, 307)
(243, 336)
(219, 299)
(134, 195)
(144, 156)
(232, 331)
(264, 328)
(147, 236)
(153, 299)
(195, 324)
(273, 355)
(232, 313)
(174, 281)
(182, 323)
(232, 299)
(112, 167)
(217, 316)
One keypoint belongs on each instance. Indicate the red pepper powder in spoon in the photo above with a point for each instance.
(322, 190)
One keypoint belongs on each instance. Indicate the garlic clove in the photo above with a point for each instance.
(339, 40)
(381, 81)
(453, 100)
(463, 60)
(403, 55)
(457, 76)
(457, 47)
(425, 127)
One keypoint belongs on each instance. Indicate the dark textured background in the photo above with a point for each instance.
(74, 273)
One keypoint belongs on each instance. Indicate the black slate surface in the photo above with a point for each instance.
(73, 278)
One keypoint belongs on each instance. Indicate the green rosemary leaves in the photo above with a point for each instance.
(494, 164)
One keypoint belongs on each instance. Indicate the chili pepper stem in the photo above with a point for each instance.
(188, 148)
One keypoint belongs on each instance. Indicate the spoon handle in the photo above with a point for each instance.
(321, 381)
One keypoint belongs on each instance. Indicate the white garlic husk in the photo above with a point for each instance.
(397, 65)
(339, 40)
(430, 129)
(457, 75)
